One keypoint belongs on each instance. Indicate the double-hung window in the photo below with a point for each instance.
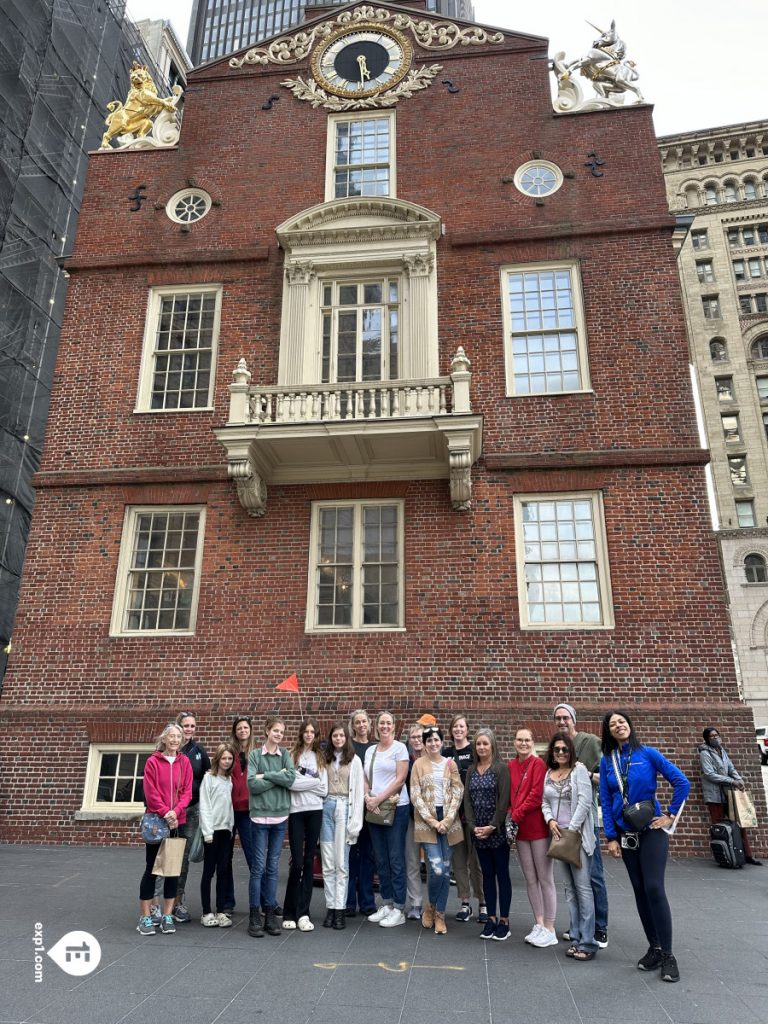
(159, 571)
(562, 562)
(545, 337)
(360, 157)
(356, 566)
(179, 351)
(360, 328)
(114, 779)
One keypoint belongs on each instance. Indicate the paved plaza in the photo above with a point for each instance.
(366, 974)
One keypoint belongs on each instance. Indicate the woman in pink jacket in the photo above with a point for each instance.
(167, 792)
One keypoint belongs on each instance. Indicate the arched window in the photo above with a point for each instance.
(760, 348)
(731, 195)
(691, 197)
(755, 569)
(765, 186)
(710, 195)
(718, 350)
(750, 189)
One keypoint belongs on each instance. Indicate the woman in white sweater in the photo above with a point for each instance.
(342, 821)
(308, 790)
(217, 818)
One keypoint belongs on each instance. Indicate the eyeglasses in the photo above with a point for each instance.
(562, 718)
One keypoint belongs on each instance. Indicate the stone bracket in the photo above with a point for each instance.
(460, 471)
(251, 489)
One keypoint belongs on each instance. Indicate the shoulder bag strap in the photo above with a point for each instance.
(623, 780)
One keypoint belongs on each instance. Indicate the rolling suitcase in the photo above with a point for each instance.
(725, 843)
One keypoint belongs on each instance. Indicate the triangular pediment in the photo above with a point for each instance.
(358, 219)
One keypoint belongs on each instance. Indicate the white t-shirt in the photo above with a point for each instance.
(438, 771)
(385, 769)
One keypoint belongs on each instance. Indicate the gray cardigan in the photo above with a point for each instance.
(581, 807)
(716, 772)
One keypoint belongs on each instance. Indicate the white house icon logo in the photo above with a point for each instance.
(76, 953)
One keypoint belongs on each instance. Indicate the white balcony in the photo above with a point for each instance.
(327, 433)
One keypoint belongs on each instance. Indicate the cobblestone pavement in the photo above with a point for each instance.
(364, 974)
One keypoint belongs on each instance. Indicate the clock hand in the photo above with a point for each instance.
(362, 63)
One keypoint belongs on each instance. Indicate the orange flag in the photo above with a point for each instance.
(291, 684)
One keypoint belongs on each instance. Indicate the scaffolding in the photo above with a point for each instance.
(61, 62)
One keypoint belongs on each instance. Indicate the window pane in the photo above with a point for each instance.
(185, 326)
(162, 571)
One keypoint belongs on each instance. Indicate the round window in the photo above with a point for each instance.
(538, 178)
(189, 205)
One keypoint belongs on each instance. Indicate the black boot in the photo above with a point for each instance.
(271, 927)
(338, 920)
(329, 919)
(256, 924)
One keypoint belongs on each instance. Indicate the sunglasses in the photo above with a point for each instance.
(559, 750)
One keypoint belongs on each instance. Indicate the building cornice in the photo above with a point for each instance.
(614, 457)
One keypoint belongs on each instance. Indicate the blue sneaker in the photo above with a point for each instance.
(145, 926)
(167, 925)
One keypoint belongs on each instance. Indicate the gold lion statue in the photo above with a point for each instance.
(142, 104)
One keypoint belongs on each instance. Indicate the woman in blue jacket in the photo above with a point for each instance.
(628, 772)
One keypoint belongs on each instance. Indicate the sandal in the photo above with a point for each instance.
(572, 951)
(582, 955)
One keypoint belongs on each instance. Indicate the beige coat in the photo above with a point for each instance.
(423, 800)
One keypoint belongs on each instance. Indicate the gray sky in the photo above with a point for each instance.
(701, 65)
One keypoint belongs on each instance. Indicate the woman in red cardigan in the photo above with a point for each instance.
(526, 778)
(167, 792)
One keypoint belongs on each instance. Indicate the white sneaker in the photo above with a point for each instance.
(393, 919)
(289, 926)
(305, 925)
(209, 921)
(544, 938)
(224, 920)
(533, 933)
(378, 916)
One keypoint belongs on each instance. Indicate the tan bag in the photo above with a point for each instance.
(567, 848)
(169, 858)
(742, 807)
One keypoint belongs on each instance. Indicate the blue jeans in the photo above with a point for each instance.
(361, 868)
(599, 891)
(581, 904)
(439, 857)
(243, 828)
(389, 848)
(267, 846)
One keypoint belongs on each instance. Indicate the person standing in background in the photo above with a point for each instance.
(466, 867)
(361, 862)
(718, 776)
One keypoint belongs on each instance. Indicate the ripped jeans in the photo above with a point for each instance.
(439, 856)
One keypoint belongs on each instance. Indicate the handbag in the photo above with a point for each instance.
(385, 812)
(154, 828)
(169, 857)
(510, 829)
(196, 846)
(568, 847)
(639, 814)
(743, 808)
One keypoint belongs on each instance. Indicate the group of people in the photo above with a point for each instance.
(372, 803)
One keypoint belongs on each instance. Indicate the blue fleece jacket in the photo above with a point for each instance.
(646, 765)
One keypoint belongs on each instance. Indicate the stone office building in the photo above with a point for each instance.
(368, 391)
(720, 177)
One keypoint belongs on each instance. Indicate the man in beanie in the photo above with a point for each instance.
(587, 748)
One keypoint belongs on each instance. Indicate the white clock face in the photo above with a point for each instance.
(362, 61)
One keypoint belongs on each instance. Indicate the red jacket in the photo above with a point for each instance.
(526, 788)
(168, 787)
(240, 794)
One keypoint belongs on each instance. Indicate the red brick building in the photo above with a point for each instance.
(380, 385)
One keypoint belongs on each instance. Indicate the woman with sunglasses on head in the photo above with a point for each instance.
(413, 884)
(241, 737)
(486, 799)
(466, 867)
(567, 805)
(308, 791)
(361, 860)
(167, 792)
(342, 819)
(436, 794)
(628, 775)
(526, 790)
(386, 768)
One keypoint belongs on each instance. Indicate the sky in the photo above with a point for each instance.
(701, 65)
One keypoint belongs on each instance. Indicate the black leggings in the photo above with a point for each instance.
(216, 861)
(147, 884)
(303, 834)
(645, 867)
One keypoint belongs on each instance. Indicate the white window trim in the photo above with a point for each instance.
(572, 266)
(603, 565)
(146, 370)
(90, 807)
(124, 566)
(311, 625)
(330, 152)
